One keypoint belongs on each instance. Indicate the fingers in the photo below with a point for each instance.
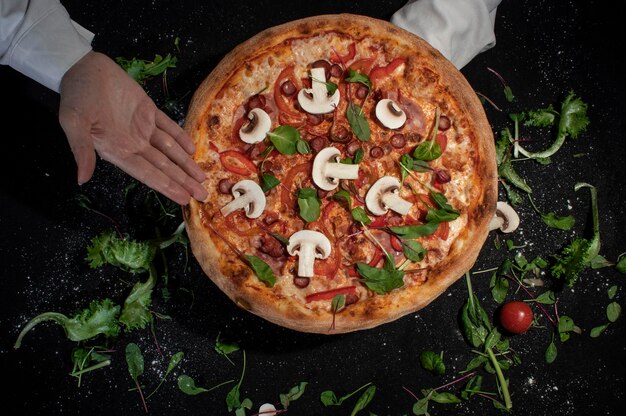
(170, 127)
(171, 148)
(169, 159)
(78, 135)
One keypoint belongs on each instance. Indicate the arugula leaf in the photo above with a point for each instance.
(99, 318)
(554, 221)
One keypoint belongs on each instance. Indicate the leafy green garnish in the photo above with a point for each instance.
(358, 122)
(140, 70)
(129, 255)
(414, 231)
(233, 400)
(581, 252)
(554, 221)
(268, 182)
(382, 280)
(225, 348)
(135, 312)
(359, 214)
(287, 140)
(572, 120)
(262, 270)
(174, 361)
(355, 76)
(343, 195)
(328, 397)
(433, 362)
(309, 204)
(99, 318)
(293, 394)
(134, 359)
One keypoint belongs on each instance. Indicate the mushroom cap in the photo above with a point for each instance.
(505, 218)
(257, 128)
(383, 195)
(390, 114)
(315, 100)
(319, 240)
(253, 193)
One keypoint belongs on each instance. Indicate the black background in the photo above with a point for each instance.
(544, 49)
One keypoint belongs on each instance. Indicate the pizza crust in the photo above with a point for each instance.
(242, 286)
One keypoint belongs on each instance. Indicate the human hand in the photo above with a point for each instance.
(104, 110)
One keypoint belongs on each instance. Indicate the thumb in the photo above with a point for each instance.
(81, 143)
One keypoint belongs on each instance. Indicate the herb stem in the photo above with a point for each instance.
(93, 367)
(456, 380)
(502, 381)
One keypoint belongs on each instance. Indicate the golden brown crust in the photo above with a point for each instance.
(424, 66)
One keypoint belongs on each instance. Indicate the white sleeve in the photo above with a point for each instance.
(38, 39)
(459, 29)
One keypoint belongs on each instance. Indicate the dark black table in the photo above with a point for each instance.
(544, 49)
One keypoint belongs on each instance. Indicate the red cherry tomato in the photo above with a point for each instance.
(516, 317)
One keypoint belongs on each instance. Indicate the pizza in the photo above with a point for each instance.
(351, 174)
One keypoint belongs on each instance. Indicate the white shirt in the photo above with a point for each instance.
(459, 29)
(38, 39)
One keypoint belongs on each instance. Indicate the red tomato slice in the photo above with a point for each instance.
(343, 59)
(364, 66)
(286, 195)
(281, 101)
(236, 162)
(395, 242)
(381, 72)
(329, 294)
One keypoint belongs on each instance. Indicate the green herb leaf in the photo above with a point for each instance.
(411, 232)
(140, 70)
(413, 250)
(358, 122)
(355, 76)
(128, 255)
(343, 195)
(613, 311)
(598, 330)
(612, 291)
(293, 394)
(427, 150)
(364, 400)
(268, 182)
(136, 310)
(621, 265)
(303, 147)
(382, 280)
(309, 204)
(187, 385)
(134, 359)
(262, 270)
(359, 214)
(433, 362)
(551, 352)
(285, 139)
(546, 298)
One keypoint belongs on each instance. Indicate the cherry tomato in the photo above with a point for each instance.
(516, 317)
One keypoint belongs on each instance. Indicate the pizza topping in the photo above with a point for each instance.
(327, 170)
(444, 123)
(248, 196)
(398, 141)
(384, 195)
(377, 152)
(315, 100)
(390, 114)
(224, 186)
(505, 218)
(255, 130)
(308, 245)
(237, 162)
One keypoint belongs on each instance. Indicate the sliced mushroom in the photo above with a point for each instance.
(255, 130)
(267, 409)
(505, 218)
(308, 245)
(315, 100)
(390, 114)
(248, 196)
(384, 195)
(327, 171)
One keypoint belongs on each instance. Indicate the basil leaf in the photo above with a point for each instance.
(309, 204)
(262, 270)
(302, 146)
(427, 150)
(268, 182)
(358, 122)
(285, 139)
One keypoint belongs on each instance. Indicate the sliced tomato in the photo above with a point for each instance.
(364, 66)
(379, 222)
(379, 73)
(329, 294)
(336, 58)
(213, 147)
(282, 102)
(237, 162)
(286, 194)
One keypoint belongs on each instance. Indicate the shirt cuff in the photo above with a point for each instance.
(50, 46)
